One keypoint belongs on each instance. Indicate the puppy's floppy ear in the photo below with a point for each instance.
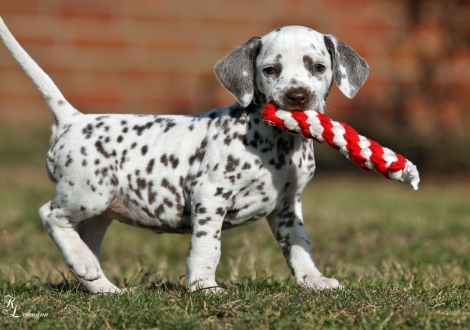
(236, 71)
(349, 69)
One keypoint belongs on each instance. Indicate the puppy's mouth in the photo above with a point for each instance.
(294, 98)
(279, 106)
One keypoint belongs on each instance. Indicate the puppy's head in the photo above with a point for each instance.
(293, 66)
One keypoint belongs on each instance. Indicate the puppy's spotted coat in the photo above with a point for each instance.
(195, 174)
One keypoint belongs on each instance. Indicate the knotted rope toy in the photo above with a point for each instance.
(366, 153)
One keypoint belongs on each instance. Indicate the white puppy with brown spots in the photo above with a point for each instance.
(196, 174)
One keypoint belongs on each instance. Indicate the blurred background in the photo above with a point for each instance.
(156, 56)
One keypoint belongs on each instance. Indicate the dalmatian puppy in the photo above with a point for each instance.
(198, 174)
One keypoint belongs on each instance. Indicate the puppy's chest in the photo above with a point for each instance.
(273, 166)
(285, 156)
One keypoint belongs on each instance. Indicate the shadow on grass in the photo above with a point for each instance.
(148, 283)
(165, 286)
(64, 286)
(141, 280)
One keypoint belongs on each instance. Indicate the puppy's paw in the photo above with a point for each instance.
(84, 265)
(88, 272)
(206, 287)
(319, 282)
(212, 290)
(100, 286)
(110, 289)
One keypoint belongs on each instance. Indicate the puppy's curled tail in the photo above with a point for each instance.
(62, 110)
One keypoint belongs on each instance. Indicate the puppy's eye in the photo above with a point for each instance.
(270, 71)
(318, 68)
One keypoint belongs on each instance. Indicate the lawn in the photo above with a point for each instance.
(403, 257)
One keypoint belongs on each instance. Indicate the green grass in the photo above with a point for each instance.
(403, 257)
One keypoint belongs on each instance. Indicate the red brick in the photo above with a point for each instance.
(173, 46)
(85, 9)
(15, 7)
(30, 27)
(110, 44)
(98, 97)
(36, 41)
(14, 82)
(68, 14)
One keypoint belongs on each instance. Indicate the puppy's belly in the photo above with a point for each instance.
(242, 215)
(144, 218)
(181, 224)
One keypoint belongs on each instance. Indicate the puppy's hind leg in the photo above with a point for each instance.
(92, 232)
(72, 238)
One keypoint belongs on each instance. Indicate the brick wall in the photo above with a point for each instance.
(156, 56)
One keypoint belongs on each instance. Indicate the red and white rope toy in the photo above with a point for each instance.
(366, 153)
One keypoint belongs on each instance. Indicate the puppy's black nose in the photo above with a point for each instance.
(297, 96)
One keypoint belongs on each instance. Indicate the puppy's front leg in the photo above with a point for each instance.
(204, 255)
(287, 226)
